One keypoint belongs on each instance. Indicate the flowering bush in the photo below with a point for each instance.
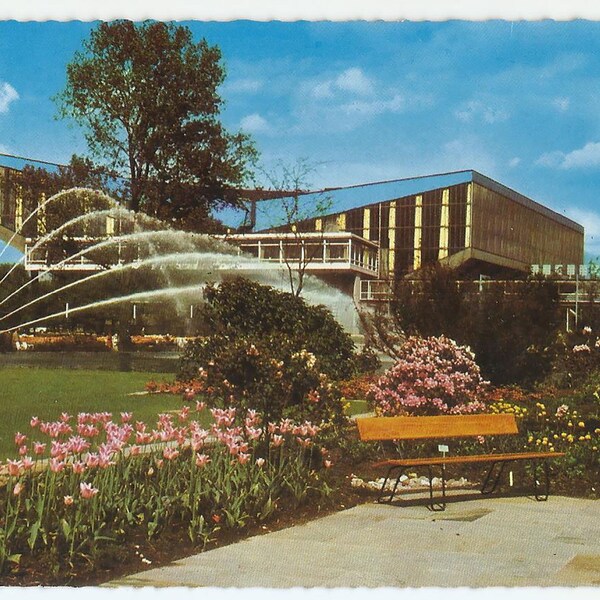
(555, 426)
(268, 374)
(431, 376)
(577, 357)
(358, 387)
(243, 308)
(86, 480)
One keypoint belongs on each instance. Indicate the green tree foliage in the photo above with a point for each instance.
(240, 307)
(147, 96)
(511, 327)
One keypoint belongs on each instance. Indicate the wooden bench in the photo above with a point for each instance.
(447, 427)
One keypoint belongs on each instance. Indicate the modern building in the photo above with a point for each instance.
(379, 232)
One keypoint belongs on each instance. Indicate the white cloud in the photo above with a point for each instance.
(8, 94)
(244, 86)
(550, 159)
(513, 162)
(323, 90)
(254, 123)
(588, 156)
(475, 109)
(591, 223)
(355, 81)
(561, 104)
(352, 80)
(375, 107)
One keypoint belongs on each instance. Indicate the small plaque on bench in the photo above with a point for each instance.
(442, 448)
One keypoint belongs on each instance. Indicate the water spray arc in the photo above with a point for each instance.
(220, 262)
(138, 296)
(158, 245)
(75, 221)
(57, 196)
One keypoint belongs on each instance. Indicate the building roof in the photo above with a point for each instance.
(269, 212)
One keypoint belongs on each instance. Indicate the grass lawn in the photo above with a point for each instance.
(46, 393)
(358, 407)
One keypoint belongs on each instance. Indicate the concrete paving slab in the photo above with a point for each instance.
(480, 543)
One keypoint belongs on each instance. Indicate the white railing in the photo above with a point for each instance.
(336, 251)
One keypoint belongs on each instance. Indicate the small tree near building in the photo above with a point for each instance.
(296, 218)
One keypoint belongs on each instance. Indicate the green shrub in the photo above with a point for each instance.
(239, 307)
(510, 326)
(264, 373)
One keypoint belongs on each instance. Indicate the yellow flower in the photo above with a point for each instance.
(588, 436)
(530, 439)
(555, 436)
(563, 435)
(581, 424)
(570, 423)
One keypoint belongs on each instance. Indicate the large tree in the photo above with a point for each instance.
(147, 96)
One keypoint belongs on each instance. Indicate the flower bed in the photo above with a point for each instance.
(88, 481)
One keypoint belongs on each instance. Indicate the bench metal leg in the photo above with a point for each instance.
(486, 489)
(388, 497)
(536, 484)
(439, 506)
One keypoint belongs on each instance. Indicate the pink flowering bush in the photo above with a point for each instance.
(431, 376)
(268, 375)
(86, 480)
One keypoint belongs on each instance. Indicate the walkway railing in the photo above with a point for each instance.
(315, 251)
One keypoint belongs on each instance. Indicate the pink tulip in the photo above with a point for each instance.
(93, 460)
(27, 463)
(126, 417)
(14, 467)
(39, 448)
(18, 488)
(327, 464)
(202, 460)
(56, 465)
(68, 500)
(23, 450)
(87, 491)
(243, 458)
(78, 467)
(200, 406)
(170, 453)
(19, 438)
(34, 422)
(135, 450)
(277, 440)
(65, 417)
(260, 462)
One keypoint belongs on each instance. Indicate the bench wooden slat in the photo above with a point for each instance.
(443, 426)
(479, 458)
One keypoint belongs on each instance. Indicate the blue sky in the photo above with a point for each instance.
(519, 102)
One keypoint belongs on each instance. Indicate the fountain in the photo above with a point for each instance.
(141, 244)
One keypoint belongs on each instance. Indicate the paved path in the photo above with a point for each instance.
(483, 542)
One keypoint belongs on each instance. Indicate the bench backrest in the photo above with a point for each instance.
(444, 426)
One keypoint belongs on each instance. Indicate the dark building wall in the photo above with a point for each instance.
(511, 230)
